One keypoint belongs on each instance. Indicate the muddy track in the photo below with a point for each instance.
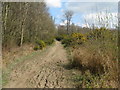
(43, 71)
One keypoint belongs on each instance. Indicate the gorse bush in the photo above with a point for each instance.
(40, 44)
(101, 34)
(78, 38)
(36, 47)
(72, 39)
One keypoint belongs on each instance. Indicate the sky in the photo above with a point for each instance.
(83, 11)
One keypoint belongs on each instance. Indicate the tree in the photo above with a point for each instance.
(25, 22)
(68, 16)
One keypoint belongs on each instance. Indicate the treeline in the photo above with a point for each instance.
(72, 29)
(25, 22)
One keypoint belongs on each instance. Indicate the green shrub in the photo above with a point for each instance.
(100, 34)
(41, 44)
(78, 38)
(67, 42)
(36, 47)
(73, 39)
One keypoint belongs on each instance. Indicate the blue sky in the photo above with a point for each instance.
(82, 10)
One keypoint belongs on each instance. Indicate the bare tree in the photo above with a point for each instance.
(25, 22)
(23, 19)
(68, 16)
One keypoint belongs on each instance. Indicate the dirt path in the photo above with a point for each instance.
(43, 71)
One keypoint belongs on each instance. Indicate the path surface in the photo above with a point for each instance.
(43, 71)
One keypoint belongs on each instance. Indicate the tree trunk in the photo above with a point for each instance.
(23, 23)
(5, 23)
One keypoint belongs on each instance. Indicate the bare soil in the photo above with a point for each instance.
(45, 70)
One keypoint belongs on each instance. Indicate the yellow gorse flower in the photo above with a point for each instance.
(79, 36)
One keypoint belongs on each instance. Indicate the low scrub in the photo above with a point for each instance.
(98, 64)
(36, 47)
(98, 55)
(40, 44)
(49, 41)
(89, 80)
(72, 39)
(84, 59)
(67, 41)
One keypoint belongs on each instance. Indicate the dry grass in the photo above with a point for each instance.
(10, 56)
(98, 54)
(90, 57)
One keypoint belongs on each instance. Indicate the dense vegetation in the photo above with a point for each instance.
(25, 22)
(95, 54)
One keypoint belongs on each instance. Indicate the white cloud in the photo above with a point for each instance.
(64, 22)
(110, 18)
(90, 7)
(85, 25)
(79, 7)
(53, 3)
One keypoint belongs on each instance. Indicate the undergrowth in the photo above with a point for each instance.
(95, 53)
